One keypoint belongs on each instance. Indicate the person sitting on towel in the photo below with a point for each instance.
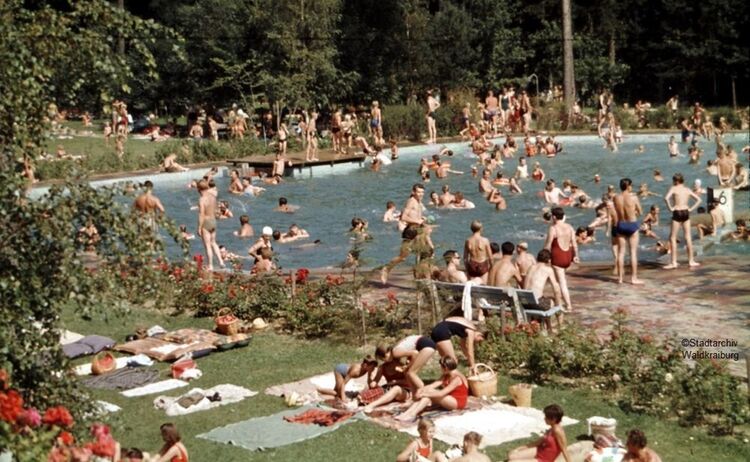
(421, 448)
(451, 392)
(549, 446)
(472, 440)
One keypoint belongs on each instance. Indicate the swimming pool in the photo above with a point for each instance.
(330, 198)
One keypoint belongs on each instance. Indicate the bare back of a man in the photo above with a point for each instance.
(626, 229)
(477, 253)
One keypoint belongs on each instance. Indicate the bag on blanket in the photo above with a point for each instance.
(371, 394)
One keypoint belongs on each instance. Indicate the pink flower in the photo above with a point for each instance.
(30, 417)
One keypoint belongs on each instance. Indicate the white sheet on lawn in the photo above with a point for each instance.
(85, 369)
(164, 385)
(67, 336)
(229, 394)
(106, 407)
(329, 381)
(497, 424)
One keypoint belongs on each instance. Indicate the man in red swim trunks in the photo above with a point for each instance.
(562, 244)
(477, 254)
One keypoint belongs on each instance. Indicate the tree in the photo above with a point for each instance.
(40, 269)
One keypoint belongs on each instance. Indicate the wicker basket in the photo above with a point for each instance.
(226, 322)
(602, 426)
(521, 394)
(102, 363)
(483, 383)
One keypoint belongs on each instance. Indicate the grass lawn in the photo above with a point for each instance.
(272, 359)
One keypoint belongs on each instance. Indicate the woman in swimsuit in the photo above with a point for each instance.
(561, 243)
(549, 446)
(283, 135)
(422, 446)
(466, 331)
(537, 174)
(451, 392)
(173, 449)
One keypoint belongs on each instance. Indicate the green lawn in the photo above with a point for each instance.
(274, 359)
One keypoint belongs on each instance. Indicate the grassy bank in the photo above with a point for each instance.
(273, 359)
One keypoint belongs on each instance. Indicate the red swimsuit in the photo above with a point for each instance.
(460, 393)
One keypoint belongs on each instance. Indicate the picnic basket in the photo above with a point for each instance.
(521, 394)
(483, 383)
(226, 322)
(102, 363)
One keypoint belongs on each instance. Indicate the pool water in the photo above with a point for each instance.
(328, 201)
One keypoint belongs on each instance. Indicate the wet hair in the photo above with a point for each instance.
(276, 235)
(425, 424)
(417, 186)
(637, 438)
(170, 435)
(436, 157)
(449, 254)
(473, 438)
(244, 219)
(236, 172)
(740, 223)
(390, 204)
(202, 185)
(582, 199)
(508, 248)
(494, 247)
(369, 361)
(283, 201)
(678, 179)
(211, 183)
(382, 350)
(476, 225)
(581, 230)
(446, 188)
(547, 216)
(148, 184)
(558, 213)
(448, 363)
(356, 221)
(653, 208)
(624, 183)
(544, 256)
(554, 413)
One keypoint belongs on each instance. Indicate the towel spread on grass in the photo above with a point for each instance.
(319, 417)
(122, 379)
(227, 392)
(307, 388)
(164, 385)
(498, 424)
(270, 431)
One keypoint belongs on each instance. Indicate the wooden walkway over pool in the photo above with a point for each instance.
(257, 165)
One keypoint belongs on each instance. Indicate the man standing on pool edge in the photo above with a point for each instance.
(432, 105)
(625, 229)
(681, 217)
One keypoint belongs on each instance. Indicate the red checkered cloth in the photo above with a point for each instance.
(370, 395)
(319, 417)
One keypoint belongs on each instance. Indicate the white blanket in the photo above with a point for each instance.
(151, 388)
(497, 424)
(229, 394)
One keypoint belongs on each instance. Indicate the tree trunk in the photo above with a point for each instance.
(121, 39)
(612, 49)
(568, 72)
(734, 105)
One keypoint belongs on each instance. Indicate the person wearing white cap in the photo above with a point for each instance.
(263, 243)
(698, 187)
(524, 260)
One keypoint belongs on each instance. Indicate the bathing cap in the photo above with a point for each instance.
(267, 231)
(698, 183)
(523, 245)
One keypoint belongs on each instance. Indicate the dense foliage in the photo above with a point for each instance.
(299, 52)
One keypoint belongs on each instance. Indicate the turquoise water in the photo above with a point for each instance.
(328, 201)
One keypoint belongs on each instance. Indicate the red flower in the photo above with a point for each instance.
(391, 297)
(59, 416)
(59, 454)
(11, 406)
(4, 379)
(302, 275)
(66, 439)
(207, 288)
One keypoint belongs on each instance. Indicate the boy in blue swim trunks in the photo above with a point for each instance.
(625, 229)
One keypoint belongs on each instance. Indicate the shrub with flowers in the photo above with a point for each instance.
(638, 372)
(33, 437)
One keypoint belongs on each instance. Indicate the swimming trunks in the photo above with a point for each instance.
(374, 123)
(626, 228)
(425, 342)
(477, 269)
(431, 114)
(342, 368)
(209, 224)
(444, 330)
(561, 258)
(335, 129)
(680, 216)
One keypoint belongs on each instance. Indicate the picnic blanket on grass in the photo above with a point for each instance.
(497, 423)
(319, 417)
(307, 388)
(270, 431)
(161, 350)
(164, 385)
(228, 393)
(122, 379)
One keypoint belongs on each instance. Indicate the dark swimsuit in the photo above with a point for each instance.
(477, 269)
(680, 216)
(561, 258)
(444, 330)
(626, 228)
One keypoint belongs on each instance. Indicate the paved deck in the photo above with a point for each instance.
(709, 302)
(326, 158)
